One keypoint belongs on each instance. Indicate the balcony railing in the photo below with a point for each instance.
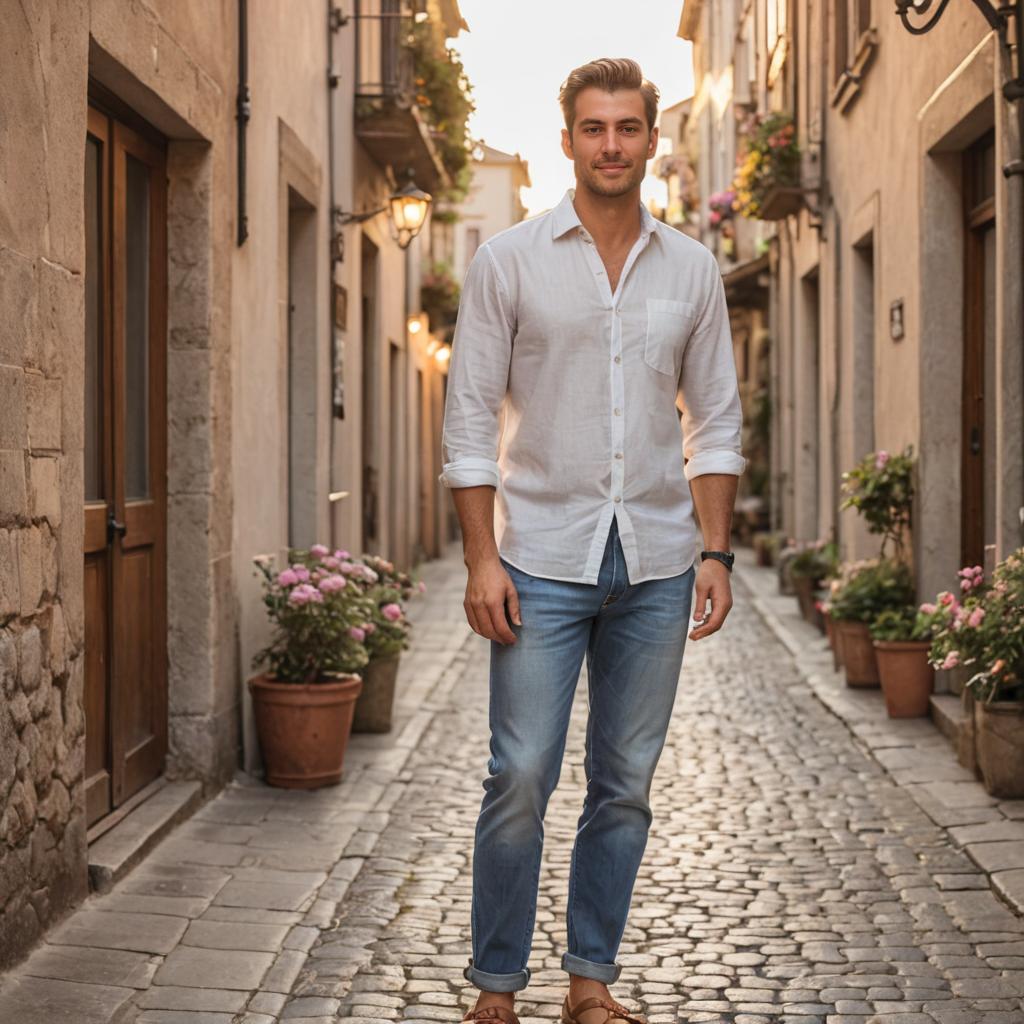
(388, 122)
(383, 64)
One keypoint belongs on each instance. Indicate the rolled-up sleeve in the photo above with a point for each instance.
(477, 376)
(712, 419)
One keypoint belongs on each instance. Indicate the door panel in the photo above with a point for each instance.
(126, 677)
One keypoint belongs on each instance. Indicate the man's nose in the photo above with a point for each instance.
(611, 145)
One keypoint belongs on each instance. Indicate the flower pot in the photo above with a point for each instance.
(804, 588)
(761, 549)
(780, 202)
(999, 739)
(833, 641)
(303, 729)
(907, 678)
(375, 703)
(859, 659)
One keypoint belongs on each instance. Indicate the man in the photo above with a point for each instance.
(578, 332)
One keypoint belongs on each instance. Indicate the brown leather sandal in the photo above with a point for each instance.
(493, 1013)
(616, 1011)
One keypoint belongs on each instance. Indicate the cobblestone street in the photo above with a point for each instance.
(788, 876)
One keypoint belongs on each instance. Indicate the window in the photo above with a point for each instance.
(840, 40)
(863, 16)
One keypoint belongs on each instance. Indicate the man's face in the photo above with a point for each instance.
(610, 143)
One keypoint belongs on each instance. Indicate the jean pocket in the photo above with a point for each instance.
(668, 328)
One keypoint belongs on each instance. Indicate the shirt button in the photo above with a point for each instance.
(618, 412)
(617, 498)
(618, 359)
(618, 455)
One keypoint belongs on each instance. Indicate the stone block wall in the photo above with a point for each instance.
(42, 723)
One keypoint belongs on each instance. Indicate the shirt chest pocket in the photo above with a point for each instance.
(668, 328)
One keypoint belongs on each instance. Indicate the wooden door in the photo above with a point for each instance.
(978, 409)
(125, 463)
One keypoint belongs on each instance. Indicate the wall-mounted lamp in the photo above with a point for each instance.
(443, 354)
(432, 346)
(415, 325)
(407, 212)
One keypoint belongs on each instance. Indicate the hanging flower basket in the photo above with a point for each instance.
(767, 182)
(780, 202)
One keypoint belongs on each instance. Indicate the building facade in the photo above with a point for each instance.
(205, 355)
(895, 294)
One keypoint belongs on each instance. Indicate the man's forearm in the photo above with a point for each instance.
(475, 508)
(714, 497)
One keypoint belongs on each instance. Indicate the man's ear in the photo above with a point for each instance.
(652, 148)
(567, 144)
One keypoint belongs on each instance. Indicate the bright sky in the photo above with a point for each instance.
(518, 52)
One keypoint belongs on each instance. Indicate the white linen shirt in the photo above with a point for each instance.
(562, 395)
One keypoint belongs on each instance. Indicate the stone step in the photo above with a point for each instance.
(118, 850)
(948, 714)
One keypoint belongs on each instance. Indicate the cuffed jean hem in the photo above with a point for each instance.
(496, 982)
(588, 969)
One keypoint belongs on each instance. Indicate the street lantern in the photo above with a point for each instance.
(408, 208)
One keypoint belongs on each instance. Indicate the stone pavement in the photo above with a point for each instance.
(789, 875)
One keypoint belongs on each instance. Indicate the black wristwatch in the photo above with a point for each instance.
(725, 557)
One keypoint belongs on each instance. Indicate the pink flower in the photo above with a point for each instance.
(330, 562)
(339, 554)
(952, 660)
(421, 587)
(370, 627)
(392, 612)
(881, 458)
(302, 572)
(357, 634)
(330, 584)
(368, 574)
(288, 578)
(303, 594)
(946, 598)
(318, 551)
(974, 619)
(929, 609)
(347, 567)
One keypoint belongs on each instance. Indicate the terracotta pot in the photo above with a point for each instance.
(834, 642)
(804, 588)
(303, 729)
(999, 739)
(376, 702)
(859, 659)
(907, 678)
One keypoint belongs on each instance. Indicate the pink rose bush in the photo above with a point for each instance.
(315, 615)
(983, 629)
(332, 612)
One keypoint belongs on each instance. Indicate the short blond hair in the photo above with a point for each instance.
(609, 74)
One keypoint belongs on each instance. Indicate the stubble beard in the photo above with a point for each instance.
(590, 178)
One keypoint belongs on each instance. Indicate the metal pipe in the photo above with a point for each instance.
(243, 111)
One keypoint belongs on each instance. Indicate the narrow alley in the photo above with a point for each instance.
(789, 875)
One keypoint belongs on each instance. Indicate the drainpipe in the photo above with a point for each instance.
(333, 25)
(243, 111)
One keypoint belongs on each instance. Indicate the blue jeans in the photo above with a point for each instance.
(633, 638)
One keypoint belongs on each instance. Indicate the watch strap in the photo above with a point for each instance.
(725, 557)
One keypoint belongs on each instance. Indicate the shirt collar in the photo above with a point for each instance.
(564, 217)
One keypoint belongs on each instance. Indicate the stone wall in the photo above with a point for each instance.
(42, 725)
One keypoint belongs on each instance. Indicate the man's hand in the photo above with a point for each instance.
(713, 583)
(487, 590)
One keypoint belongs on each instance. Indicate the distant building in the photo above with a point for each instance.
(895, 257)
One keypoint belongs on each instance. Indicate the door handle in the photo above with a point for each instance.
(114, 527)
(975, 441)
